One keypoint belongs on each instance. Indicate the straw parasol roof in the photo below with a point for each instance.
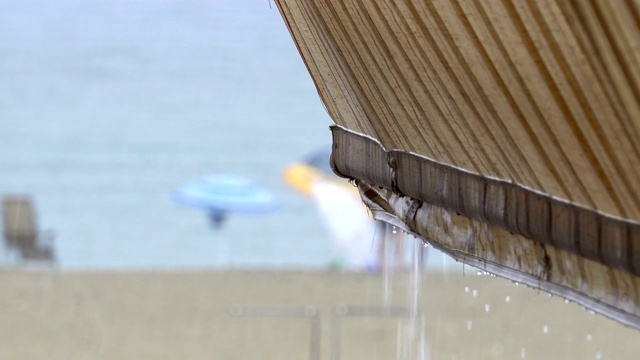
(506, 133)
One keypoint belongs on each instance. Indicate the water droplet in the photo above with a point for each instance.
(566, 301)
(550, 295)
(507, 298)
(523, 353)
(466, 289)
(479, 272)
(598, 355)
(517, 283)
(475, 293)
(487, 307)
(545, 328)
(589, 337)
(469, 324)
(591, 312)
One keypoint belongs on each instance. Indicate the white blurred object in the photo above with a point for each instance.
(347, 222)
(341, 210)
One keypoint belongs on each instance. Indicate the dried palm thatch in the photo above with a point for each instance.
(505, 132)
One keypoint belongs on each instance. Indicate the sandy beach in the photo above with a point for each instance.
(293, 315)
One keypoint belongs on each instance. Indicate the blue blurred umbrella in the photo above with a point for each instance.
(319, 159)
(220, 195)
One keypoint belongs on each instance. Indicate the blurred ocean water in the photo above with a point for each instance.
(106, 107)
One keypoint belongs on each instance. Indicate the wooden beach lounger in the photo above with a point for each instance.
(21, 232)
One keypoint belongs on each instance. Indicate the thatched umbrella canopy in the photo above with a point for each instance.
(505, 132)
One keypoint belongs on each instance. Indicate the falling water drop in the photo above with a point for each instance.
(598, 355)
(475, 293)
(466, 289)
(478, 272)
(566, 301)
(523, 353)
(487, 307)
(545, 328)
(469, 324)
(507, 298)
(589, 337)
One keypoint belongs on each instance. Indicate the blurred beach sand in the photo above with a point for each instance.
(188, 315)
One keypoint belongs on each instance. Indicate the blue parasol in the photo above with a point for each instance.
(222, 194)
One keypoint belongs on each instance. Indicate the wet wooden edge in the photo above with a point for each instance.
(493, 226)
(589, 233)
